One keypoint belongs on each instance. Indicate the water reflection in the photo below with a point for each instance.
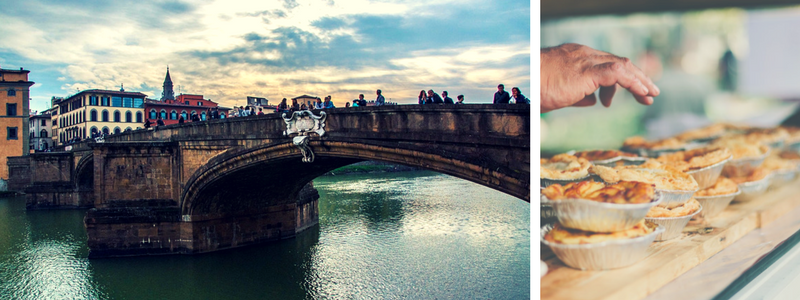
(388, 236)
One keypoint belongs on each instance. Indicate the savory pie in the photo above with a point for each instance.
(620, 193)
(756, 175)
(565, 167)
(695, 159)
(723, 186)
(637, 142)
(602, 154)
(711, 131)
(740, 147)
(774, 162)
(685, 209)
(663, 176)
(794, 134)
(767, 135)
(562, 235)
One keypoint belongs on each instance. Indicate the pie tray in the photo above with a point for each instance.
(656, 152)
(673, 226)
(707, 176)
(781, 177)
(743, 166)
(753, 189)
(713, 205)
(545, 182)
(673, 198)
(597, 216)
(605, 255)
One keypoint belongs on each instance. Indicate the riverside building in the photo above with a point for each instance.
(93, 111)
(14, 110)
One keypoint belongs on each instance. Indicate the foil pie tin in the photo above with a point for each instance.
(597, 216)
(673, 198)
(713, 205)
(545, 182)
(673, 226)
(605, 255)
(707, 176)
(753, 189)
(743, 166)
(781, 177)
(612, 162)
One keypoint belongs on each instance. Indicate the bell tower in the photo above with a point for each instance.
(168, 93)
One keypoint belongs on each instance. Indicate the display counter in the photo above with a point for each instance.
(701, 264)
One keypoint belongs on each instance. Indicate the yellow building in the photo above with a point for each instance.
(90, 112)
(14, 96)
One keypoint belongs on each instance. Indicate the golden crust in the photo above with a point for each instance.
(757, 174)
(562, 235)
(685, 209)
(651, 171)
(794, 134)
(620, 193)
(710, 131)
(640, 142)
(767, 135)
(695, 159)
(565, 167)
(790, 155)
(740, 147)
(774, 162)
(607, 174)
(602, 154)
(723, 186)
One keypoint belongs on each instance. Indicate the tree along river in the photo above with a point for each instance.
(406, 235)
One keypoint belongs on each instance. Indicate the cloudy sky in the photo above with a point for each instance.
(227, 50)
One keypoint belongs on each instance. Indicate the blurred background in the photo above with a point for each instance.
(712, 62)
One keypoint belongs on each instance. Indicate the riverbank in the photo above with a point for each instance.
(368, 167)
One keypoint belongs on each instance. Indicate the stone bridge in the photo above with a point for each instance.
(218, 184)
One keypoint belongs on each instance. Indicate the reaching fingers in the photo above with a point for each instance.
(646, 100)
(610, 73)
(606, 94)
(589, 100)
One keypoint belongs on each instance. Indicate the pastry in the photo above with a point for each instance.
(723, 186)
(620, 193)
(695, 159)
(707, 132)
(740, 147)
(663, 176)
(685, 209)
(774, 162)
(767, 135)
(757, 174)
(602, 154)
(562, 235)
(639, 142)
(564, 167)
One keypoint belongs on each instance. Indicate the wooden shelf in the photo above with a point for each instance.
(667, 260)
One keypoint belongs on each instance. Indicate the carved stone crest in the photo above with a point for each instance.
(304, 123)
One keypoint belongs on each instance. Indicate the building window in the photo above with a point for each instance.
(116, 130)
(116, 101)
(11, 109)
(153, 114)
(163, 114)
(138, 102)
(117, 117)
(12, 133)
(127, 102)
(12, 92)
(93, 100)
(138, 117)
(128, 129)
(183, 114)
(104, 101)
(104, 115)
(199, 103)
(43, 133)
(32, 135)
(203, 116)
(128, 117)
(55, 122)
(105, 130)
(44, 122)
(93, 116)
(94, 131)
(173, 115)
(187, 103)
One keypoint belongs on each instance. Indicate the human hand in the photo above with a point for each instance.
(571, 73)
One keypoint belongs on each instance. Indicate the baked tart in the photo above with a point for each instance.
(723, 186)
(564, 167)
(563, 235)
(595, 155)
(662, 176)
(695, 159)
(638, 142)
(742, 148)
(756, 175)
(705, 133)
(683, 210)
(767, 135)
(624, 192)
(775, 162)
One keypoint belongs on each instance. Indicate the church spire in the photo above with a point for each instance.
(168, 93)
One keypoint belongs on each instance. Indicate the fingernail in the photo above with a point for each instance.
(658, 91)
(646, 91)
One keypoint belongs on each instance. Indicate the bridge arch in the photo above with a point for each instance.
(274, 173)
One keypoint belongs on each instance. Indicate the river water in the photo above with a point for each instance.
(406, 235)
